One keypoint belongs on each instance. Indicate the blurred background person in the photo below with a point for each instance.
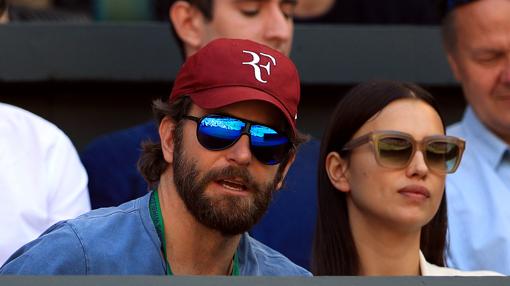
(476, 37)
(383, 162)
(40, 10)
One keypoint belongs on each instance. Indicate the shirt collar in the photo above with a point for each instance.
(423, 265)
(480, 139)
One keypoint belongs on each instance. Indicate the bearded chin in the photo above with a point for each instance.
(230, 215)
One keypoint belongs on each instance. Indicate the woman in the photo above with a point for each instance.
(382, 168)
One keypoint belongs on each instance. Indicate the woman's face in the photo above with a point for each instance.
(405, 198)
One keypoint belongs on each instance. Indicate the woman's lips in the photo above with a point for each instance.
(415, 192)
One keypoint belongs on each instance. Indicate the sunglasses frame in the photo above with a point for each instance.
(245, 131)
(374, 138)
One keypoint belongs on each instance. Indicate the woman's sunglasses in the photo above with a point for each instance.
(394, 149)
(219, 132)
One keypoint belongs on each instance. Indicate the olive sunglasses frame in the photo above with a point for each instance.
(376, 137)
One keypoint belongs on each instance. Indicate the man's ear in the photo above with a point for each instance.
(337, 170)
(166, 133)
(279, 185)
(453, 65)
(189, 24)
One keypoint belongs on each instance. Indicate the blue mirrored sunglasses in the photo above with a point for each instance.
(219, 132)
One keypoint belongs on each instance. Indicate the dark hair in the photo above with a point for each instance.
(152, 164)
(3, 6)
(334, 250)
(204, 6)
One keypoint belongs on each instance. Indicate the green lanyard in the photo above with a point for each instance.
(157, 220)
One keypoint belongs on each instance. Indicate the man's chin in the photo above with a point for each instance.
(232, 215)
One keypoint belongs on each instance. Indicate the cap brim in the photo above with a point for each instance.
(222, 96)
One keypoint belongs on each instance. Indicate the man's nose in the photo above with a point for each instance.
(240, 152)
(505, 73)
(277, 27)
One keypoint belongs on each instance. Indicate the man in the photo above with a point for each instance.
(267, 22)
(194, 25)
(111, 160)
(228, 137)
(476, 36)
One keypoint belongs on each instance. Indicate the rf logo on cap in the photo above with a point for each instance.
(256, 66)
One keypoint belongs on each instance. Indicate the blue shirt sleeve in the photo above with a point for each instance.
(57, 251)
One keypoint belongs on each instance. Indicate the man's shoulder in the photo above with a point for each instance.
(110, 220)
(257, 259)
(93, 243)
(456, 129)
(56, 251)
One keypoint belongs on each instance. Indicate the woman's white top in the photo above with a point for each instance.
(428, 269)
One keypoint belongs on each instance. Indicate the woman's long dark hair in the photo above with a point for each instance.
(334, 250)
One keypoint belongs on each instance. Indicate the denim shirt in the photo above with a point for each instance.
(123, 240)
(478, 196)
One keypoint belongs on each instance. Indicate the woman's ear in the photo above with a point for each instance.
(166, 133)
(337, 170)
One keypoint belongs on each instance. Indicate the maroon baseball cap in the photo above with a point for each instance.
(227, 71)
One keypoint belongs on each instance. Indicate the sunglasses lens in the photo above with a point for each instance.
(394, 151)
(442, 155)
(219, 132)
(216, 132)
(267, 145)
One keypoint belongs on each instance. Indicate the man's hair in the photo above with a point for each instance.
(204, 6)
(3, 6)
(448, 30)
(448, 33)
(152, 163)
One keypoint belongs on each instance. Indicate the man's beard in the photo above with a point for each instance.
(230, 215)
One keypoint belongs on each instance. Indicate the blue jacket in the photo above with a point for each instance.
(123, 240)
